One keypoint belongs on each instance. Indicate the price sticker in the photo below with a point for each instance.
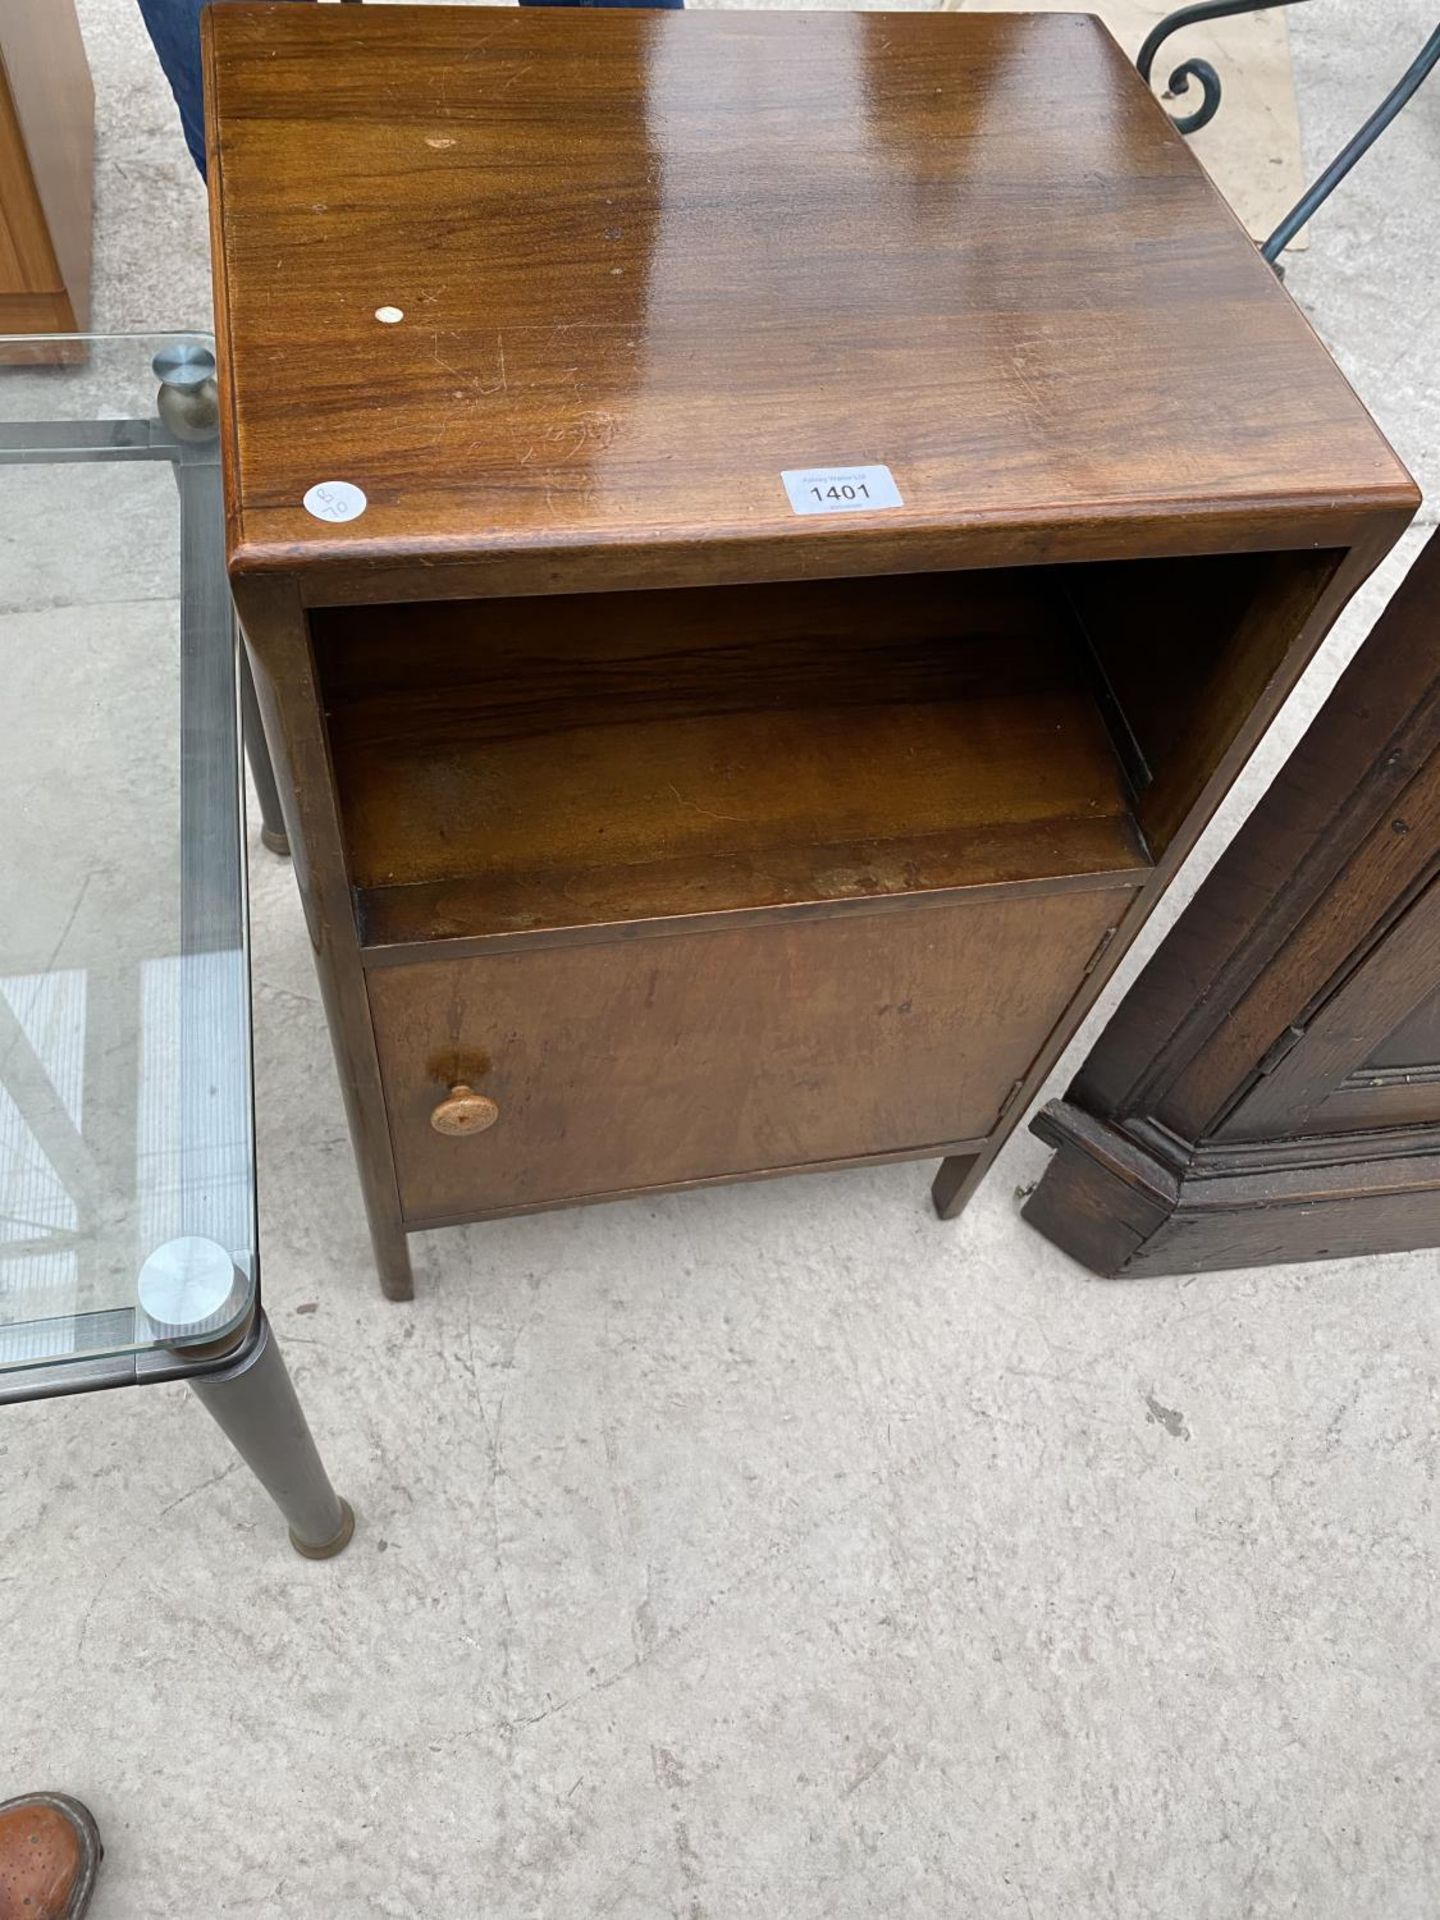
(335, 500)
(841, 489)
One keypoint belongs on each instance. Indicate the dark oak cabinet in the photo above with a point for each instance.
(1269, 1090)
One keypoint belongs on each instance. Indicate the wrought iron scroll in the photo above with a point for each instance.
(1210, 95)
(1179, 82)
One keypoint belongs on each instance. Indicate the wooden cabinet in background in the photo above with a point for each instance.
(660, 823)
(1269, 1089)
(47, 143)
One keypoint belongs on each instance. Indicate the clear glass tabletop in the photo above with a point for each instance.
(127, 1188)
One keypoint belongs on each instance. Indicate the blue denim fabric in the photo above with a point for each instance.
(174, 27)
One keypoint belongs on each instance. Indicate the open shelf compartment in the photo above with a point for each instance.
(519, 766)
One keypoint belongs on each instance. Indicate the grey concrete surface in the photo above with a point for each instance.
(773, 1551)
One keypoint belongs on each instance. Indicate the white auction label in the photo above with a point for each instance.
(841, 489)
(335, 500)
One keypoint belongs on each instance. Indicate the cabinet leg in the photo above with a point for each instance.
(255, 1405)
(955, 1183)
(278, 644)
(392, 1257)
(257, 752)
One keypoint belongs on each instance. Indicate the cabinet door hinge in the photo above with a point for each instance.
(1007, 1102)
(1289, 1039)
(1101, 944)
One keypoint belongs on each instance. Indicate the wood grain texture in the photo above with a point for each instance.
(504, 766)
(1127, 1215)
(1346, 835)
(651, 1189)
(647, 261)
(722, 1054)
(285, 689)
(1413, 1043)
(1241, 733)
(1187, 649)
(1324, 1083)
(1278, 1058)
(579, 711)
(47, 138)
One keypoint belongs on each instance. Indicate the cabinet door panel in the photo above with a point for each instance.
(1338, 1077)
(652, 1062)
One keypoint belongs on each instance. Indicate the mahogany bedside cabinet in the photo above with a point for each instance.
(762, 537)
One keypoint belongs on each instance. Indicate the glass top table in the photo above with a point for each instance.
(127, 1150)
(127, 1159)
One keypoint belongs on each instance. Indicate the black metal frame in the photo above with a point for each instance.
(1202, 71)
(1399, 96)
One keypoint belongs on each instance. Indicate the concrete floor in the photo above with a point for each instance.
(772, 1551)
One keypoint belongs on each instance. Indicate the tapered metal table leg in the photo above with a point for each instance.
(255, 1405)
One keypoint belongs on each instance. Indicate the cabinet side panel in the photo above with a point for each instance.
(1188, 648)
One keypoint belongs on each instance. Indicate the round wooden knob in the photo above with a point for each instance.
(464, 1111)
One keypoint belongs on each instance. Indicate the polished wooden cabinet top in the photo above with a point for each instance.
(563, 293)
